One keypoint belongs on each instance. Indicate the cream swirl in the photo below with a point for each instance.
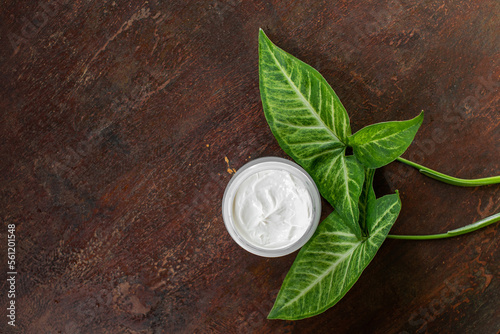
(272, 209)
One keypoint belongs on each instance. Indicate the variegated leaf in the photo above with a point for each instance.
(332, 261)
(379, 144)
(311, 125)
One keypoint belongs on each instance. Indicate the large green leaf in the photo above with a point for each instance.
(311, 125)
(332, 261)
(379, 144)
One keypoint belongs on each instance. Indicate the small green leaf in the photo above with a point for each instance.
(366, 199)
(311, 125)
(332, 261)
(379, 144)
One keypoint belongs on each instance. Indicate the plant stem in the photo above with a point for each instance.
(453, 233)
(450, 179)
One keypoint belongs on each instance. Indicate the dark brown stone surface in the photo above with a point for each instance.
(117, 119)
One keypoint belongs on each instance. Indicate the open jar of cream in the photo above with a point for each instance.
(271, 207)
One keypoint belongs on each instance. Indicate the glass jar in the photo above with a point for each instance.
(270, 164)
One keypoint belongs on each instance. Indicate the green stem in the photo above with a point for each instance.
(453, 233)
(450, 179)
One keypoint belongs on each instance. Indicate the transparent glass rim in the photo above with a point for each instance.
(270, 163)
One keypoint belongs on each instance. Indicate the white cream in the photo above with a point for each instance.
(272, 209)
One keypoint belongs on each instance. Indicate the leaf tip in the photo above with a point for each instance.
(273, 314)
(399, 197)
(264, 41)
(421, 116)
(262, 34)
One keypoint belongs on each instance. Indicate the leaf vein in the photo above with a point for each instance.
(304, 101)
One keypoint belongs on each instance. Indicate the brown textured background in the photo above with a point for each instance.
(122, 123)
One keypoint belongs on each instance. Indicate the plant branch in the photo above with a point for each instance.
(453, 233)
(450, 179)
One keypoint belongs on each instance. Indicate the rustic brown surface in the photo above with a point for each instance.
(116, 121)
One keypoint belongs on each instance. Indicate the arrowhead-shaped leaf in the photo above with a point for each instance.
(311, 125)
(332, 261)
(379, 144)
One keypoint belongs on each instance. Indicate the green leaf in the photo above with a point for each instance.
(379, 144)
(366, 199)
(332, 261)
(311, 125)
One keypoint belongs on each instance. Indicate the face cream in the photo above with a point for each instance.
(271, 207)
